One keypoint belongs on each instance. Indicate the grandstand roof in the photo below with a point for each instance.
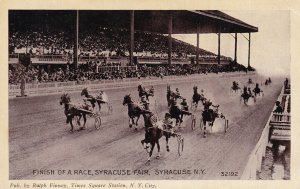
(184, 21)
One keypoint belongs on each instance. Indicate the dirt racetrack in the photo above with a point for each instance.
(39, 138)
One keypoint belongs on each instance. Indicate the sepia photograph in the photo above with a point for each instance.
(148, 95)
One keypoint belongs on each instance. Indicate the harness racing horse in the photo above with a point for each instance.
(153, 132)
(144, 92)
(134, 111)
(171, 96)
(177, 112)
(246, 95)
(72, 111)
(100, 99)
(257, 90)
(250, 81)
(235, 87)
(196, 98)
(209, 116)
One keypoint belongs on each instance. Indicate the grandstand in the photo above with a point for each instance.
(44, 51)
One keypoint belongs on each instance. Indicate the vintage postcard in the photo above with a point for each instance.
(104, 95)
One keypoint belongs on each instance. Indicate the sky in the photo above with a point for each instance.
(270, 46)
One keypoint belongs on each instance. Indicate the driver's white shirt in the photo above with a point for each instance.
(104, 97)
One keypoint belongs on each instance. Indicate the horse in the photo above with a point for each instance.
(177, 112)
(245, 96)
(100, 99)
(209, 116)
(154, 130)
(250, 81)
(144, 92)
(196, 98)
(257, 90)
(235, 87)
(267, 82)
(134, 110)
(171, 96)
(72, 111)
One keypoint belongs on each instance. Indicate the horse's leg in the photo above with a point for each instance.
(84, 121)
(99, 105)
(211, 125)
(167, 142)
(72, 127)
(181, 117)
(136, 123)
(204, 133)
(158, 149)
(151, 151)
(130, 122)
(78, 120)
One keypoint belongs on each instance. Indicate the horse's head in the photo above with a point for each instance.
(216, 108)
(84, 92)
(64, 99)
(195, 88)
(168, 88)
(151, 90)
(139, 87)
(127, 99)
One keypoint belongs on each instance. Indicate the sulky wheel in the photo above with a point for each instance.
(97, 122)
(180, 140)
(193, 124)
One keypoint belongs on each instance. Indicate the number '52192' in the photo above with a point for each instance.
(229, 174)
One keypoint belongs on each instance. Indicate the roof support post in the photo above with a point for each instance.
(170, 29)
(197, 52)
(235, 48)
(249, 50)
(219, 46)
(131, 37)
(75, 54)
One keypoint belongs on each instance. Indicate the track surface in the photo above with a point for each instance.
(39, 138)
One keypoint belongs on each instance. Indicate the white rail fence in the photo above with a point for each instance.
(281, 122)
(60, 87)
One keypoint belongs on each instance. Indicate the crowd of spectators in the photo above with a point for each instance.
(97, 42)
(102, 42)
(90, 71)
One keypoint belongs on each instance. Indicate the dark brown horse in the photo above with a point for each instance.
(235, 87)
(209, 116)
(71, 111)
(196, 98)
(144, 92)
(171, 96)
(257, 90)
(134, 111)
(177, 112)
(154, 130)
(246, 95)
